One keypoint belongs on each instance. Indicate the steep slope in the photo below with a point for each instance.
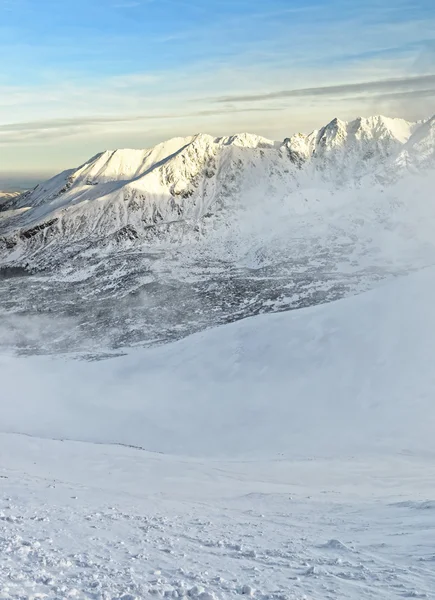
(117, 166)
(127, 192)
(8, 196)
(345, 378)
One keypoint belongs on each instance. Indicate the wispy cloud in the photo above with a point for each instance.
(412, 84)
(23, 132)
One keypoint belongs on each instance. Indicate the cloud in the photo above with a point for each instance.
(53, 128)
(73, 122)
(375, 87)
(412, 94)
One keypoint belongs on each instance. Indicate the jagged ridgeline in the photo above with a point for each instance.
(147, 246)
(126, 195)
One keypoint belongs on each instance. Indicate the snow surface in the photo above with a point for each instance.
(419, 151)
(346, 377)
(103, 522)
(310, 473)
(8, 195)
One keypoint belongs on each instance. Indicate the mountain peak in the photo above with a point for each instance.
(248, 140)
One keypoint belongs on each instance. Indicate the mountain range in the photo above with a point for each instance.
(133, 194)
(142, 246)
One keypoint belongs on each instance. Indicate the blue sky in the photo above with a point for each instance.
(81, 76)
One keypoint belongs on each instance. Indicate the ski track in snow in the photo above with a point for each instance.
(279, 535)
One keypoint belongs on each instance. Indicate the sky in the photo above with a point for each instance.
(81, 76)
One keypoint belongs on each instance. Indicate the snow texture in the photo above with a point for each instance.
(102, 522)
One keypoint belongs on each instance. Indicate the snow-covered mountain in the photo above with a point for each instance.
(6, 196)
(139, 194)
(280, 456)
(143, 246)
(126, 192)
(345, 150)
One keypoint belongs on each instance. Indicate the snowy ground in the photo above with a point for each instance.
(89, 521)
(349, 377)
(286, 456)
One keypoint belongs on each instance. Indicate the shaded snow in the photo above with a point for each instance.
(419, 151)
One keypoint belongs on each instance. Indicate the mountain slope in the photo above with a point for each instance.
(128, 191)
(8, 196)
(345, 378)
(343, 150)
(419, 151)
(139, 194)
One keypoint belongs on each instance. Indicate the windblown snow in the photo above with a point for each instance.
(337, 378)
(260, 418)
